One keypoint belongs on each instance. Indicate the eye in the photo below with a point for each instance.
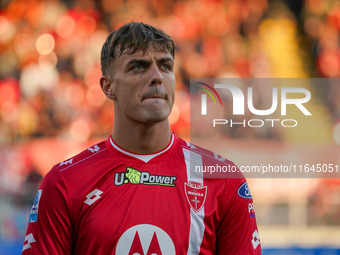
(137, 67)
(167, 67)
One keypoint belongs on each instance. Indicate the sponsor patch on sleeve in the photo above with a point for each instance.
(34, 211)
(244, 191)
(251, 209)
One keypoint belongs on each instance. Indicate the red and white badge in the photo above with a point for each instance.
(196, 194)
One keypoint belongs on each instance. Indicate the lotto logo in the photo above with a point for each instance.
(29, 239)
(93, 196)
(256, 239)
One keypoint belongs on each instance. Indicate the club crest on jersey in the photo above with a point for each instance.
(134, 176)
(196, 195)
(34, 211)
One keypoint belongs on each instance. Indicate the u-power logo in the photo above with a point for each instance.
(239, 105)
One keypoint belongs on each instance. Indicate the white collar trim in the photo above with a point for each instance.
(144, 157)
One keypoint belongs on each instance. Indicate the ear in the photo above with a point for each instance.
(107, 87)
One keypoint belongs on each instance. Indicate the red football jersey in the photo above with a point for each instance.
(107, 200)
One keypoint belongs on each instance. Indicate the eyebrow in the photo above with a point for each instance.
(147, 62)
(168, 59)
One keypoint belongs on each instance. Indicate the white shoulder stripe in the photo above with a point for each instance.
(197, 226)
(192, 150)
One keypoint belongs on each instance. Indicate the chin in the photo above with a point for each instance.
(156, 117)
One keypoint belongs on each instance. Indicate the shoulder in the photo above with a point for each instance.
(73, 172)
(213, 166)
(203, 157)
(86, 157)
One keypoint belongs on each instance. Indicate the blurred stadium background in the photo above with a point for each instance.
(51, 105)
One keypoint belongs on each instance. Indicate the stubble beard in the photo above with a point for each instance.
(155, 116)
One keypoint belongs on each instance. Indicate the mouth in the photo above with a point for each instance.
(156, 96)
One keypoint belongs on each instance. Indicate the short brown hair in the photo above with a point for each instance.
(131, 37)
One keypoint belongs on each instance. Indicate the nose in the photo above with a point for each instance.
(156, 76)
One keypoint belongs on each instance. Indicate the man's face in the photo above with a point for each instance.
(143, 86)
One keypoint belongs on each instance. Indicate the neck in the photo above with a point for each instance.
(142, 138)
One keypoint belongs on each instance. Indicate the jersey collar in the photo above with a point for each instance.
(143, 157)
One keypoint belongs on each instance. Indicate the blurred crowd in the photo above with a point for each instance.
(49, 58)
(49, 55)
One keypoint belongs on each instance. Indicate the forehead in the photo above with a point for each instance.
(150, 54)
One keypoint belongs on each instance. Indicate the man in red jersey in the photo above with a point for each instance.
(133, 193)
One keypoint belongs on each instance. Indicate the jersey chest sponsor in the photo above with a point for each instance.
(134, 176)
